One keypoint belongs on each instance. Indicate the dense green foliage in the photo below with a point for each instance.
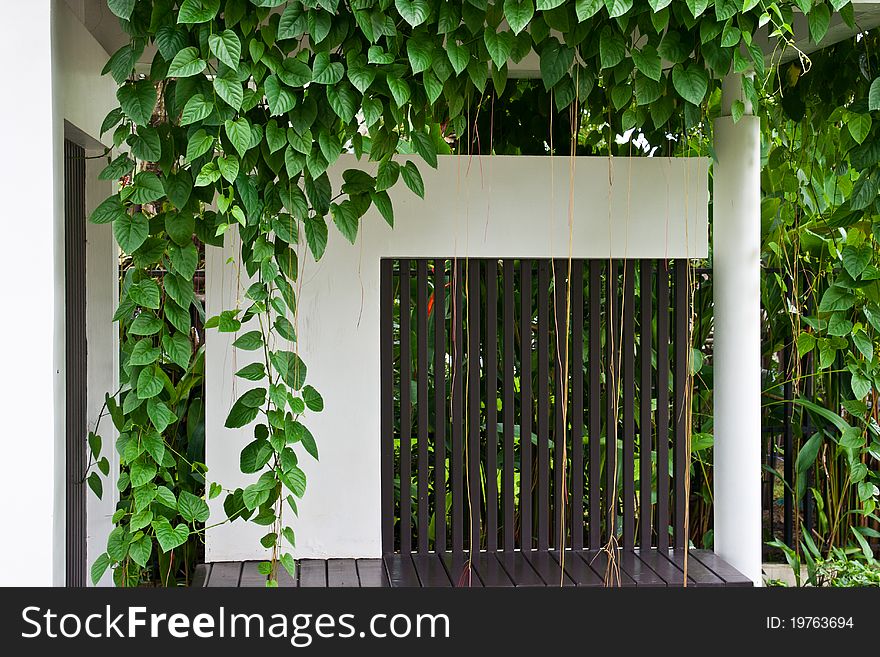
(245, 106)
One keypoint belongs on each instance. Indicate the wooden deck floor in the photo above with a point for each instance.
(497, 569)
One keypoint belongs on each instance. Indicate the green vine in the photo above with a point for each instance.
(246, 105)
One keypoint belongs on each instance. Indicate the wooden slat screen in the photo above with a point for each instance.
(75, 360)
(475, 356)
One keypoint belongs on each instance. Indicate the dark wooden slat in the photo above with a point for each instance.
(458, 568)
(285, 581)
(405, 410)
(525, 504)
(548, 569)
(507, 484)
(682, 345)
(594, 361)
(313, 573)
(638, 570)
(423, 519)
(519, 569)
(612, 386)
(491, 354)
(628, 384)
(455, 474)
(645, 397)
(201, 575)
(76, 363)
(698, 574)
(400, 570)
(599, 560)
(730, 575)
(250, 577)
(439, 405)
(576, 501)
(666, 570)
(224, 573)
(663, 405)
(431, 571)
(474, 398)
(386, 351)
(788, 448)
(543, 503)
(342, 573)
(371, 573)
(490, 571)
(577, 569)
(558, 537)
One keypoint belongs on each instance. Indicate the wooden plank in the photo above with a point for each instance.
(628, 384)
(455, 474)
(507, 481)
(250, 577)
(663, 567)
(594, 362)
(371, 573)
(559, 530)
(342, 573)
(548, 569)
(423, 519)
(400, 570)
(638, 570)
(285, 581)
(576, 501)
(599, 561)
(386, 356)
(439, 405)
(313, 573)
(543, 503)
(474, 403)
(458, 569)
(525, 500)
(698, 574)
(612, 386)
(431, 572)
(491, 354)
(490, 571)
(662, 405)
(225, 573)
(200, 575)
(787, 448)
(519, 569)
(730, 575)
(681, 374)
(645, 399)
(405, 410)
(577, 569)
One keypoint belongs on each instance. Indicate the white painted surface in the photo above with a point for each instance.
(102, 336)
(737, 348)
(479, 207)
(52, 79)
(84, 97)
(30, 354)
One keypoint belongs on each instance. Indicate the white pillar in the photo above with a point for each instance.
(737, 348)
(33, 380)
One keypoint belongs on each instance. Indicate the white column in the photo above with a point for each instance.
(737, 349)
(32, 354)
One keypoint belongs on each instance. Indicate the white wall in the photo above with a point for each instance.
(55, 76)
(479, 207)
(84, 97)
(28, 186)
